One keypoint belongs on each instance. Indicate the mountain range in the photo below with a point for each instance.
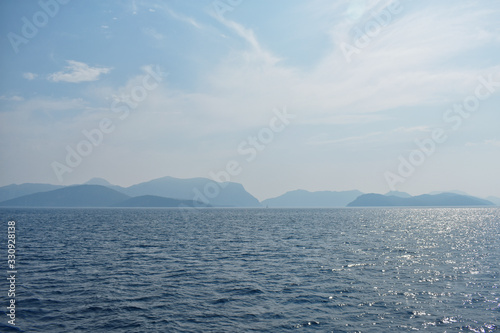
(16, 191)
(71, 196)
(162, 192)
(203, 192)
(226, 194)
(441, 199)
(303, 198)
(94, 196)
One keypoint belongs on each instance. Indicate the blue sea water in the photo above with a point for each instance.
(255, 270)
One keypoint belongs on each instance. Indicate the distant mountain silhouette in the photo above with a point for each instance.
(15, 191)
(495, 200)
(98, 181)
(443, 199)
(104, 182)
(199, 189)
(303, 198)
(71, 196)
(155, 201)
(172, 192)
(453, 191)
(398, 194)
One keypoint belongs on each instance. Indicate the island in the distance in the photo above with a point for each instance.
(427, 200)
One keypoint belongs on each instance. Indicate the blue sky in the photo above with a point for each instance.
(363, 80)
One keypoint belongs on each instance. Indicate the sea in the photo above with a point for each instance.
(253, 270)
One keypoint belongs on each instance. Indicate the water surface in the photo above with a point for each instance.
(256, 270)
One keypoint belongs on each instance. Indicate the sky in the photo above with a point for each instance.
(373, 95)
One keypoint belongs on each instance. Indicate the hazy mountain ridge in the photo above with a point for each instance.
(425, 200)
(15, 191)
(156, 201)
(71, 196)
(199, 189)
(203, 192)
(495, 200)
(303, 198)
(399, 194)
(94, 196)
(200, 192)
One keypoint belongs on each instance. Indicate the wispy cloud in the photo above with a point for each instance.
(13, 98)
(412, 129)
(182, 18)
(324, 139)
(150, 31)
(51, 105)
(494, 143)
(133, 7)
(397, 134)
(77, 72)
(30, 76)
(257, 51)
(161, 7)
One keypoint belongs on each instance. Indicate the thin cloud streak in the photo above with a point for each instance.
(77, 72)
